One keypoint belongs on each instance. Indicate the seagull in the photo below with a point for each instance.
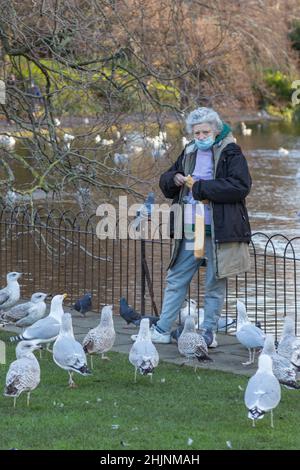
(68, 353)
(189, 307)
(263, 391)
(245, 130)
(191, 344)
(283, 152)
(23, 374)
(47, 329)
(288, 338)
(207, 334)
(247, 334)
(283, 369)
(143, 355)
(10, 295)
(101, 339)
(84, 304)
(27, 313)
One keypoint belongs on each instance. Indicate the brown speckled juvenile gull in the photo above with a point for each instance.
(101, 339)
(23, 374)
(190, 343)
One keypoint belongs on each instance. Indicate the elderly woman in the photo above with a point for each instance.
(221, 180)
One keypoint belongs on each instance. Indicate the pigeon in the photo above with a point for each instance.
(101, 339)
(23, 374)
(145, 211)
(143, 354)
(263, 392)
(10, 295)
(132, 316)
(68, 353)
(84, 304)
(191, 344)
(27, 313)
(47, 329)
(283, 369)
(247, 334)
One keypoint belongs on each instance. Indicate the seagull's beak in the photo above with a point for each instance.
(65, 296)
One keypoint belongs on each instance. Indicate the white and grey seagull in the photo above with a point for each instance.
(283, 369)
(68, 353)
(143, 355)
(288, 341)
(248, 334)
(47, 329)
(10, 295)
(101, 339)
(27, 313)
(23, 374)
(263, 391)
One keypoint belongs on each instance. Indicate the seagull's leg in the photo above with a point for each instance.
(48, 348)
(92, 365)
(104, 357)
(135, 371)
(253, 357)
(40, 353)
(272, 420)
(71, 381)
(151, 377)
(28, 398)
(250, 359)
(15, 400)
(253, 423)
(196, 364)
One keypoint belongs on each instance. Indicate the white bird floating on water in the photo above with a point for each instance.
(283, 152)
(101, 339)
(68, 353)
(263, 391)
(191, 344)
(143, 355)
(27, 313)
(247, 334)
(23, 374)
(10, 295)
(283, 369)
(47, 329)
(245, 130)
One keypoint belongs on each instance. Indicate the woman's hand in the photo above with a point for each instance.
(179, 179)
(189, 181)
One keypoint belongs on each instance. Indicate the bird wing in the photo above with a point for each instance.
(18, 311)
(68, 353)
(263, 391)
(142, 349)
(4, 296)
(43, 329)
(250, 336)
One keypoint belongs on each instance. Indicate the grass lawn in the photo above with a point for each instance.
(206, 407)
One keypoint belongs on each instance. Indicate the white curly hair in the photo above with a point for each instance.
(201, 115)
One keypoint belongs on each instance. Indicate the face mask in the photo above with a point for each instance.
(204, 144)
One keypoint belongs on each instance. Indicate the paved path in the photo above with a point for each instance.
(228, 356)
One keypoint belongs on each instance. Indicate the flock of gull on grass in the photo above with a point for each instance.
(277, 365)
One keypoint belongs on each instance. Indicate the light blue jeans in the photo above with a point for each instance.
(178, 281)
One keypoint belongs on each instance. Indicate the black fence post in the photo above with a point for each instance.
(143, 275)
